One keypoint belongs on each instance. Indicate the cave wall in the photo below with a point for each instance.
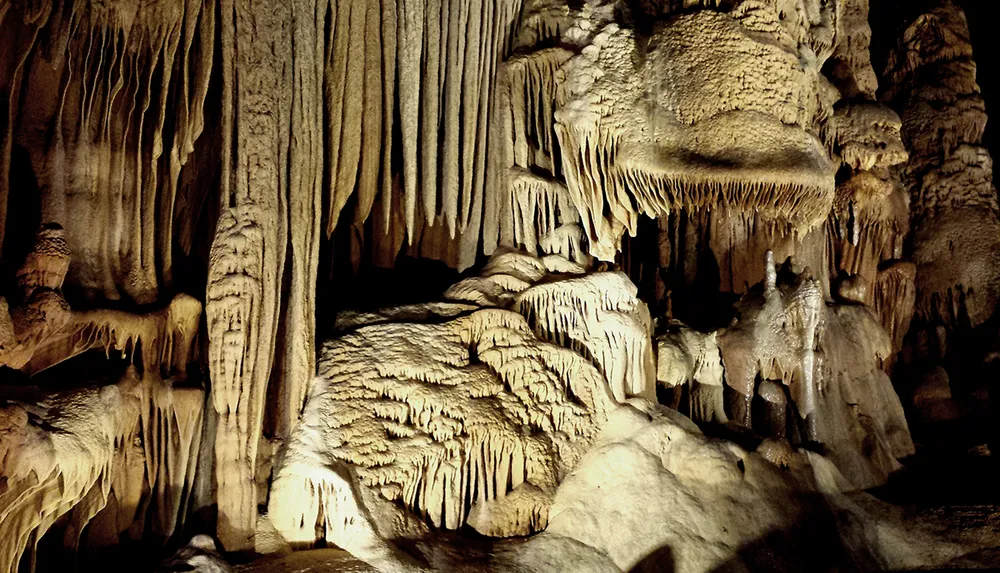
(232, 149)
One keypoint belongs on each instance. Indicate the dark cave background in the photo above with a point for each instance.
(983, 16)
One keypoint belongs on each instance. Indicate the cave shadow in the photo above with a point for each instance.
(822, 539)
(24, 216)
(659, 561)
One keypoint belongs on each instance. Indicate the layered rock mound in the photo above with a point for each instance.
(470, 419)
(473, 411)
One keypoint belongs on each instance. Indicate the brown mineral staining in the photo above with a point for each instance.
(932, 82)
(615, 284)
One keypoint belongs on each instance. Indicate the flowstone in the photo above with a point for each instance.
(828, 359)
(473, 419)
(709, 108)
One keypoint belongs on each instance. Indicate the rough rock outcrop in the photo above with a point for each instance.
(830, 357)
(470, 420)
(654, 493)
(956, 229)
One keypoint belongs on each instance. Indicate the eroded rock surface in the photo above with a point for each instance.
(267, 156)
(473, 420)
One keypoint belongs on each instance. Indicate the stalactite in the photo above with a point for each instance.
(110, 459)
(893, 299)
(539, 216)
(440, 56)
(624, 157)
(172, 435)
(868, 225)
(527, 85)
(170, 421)
(297, 353)
(110, 80)
(58, 451)
(43, 330)
(164, 338)
(452, 129)
(27, 29)
(731, 241)
(525, 143)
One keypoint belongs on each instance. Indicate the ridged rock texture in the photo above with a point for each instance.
(99, 462)
(956, 230)
(711, 204)
(108, 98)
(472, 419)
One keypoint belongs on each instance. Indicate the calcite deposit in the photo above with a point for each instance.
(496, 285)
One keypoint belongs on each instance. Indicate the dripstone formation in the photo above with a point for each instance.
(493, 285)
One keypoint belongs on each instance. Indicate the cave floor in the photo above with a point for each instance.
(949, 486)
(312, 561)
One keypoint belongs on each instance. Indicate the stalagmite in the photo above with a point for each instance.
(200, 554)
(241, 315)
(271, 216)
(776, 408)
(830, 357)
(932, 83)
(775, 339)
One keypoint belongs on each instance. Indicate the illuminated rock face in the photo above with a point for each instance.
(711, 109)
(258, 159)
(473, 420)
(932, 82)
